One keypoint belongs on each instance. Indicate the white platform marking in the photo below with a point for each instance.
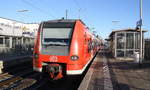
(107, 79)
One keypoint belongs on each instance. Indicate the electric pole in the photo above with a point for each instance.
(141, 36)
(66, 13)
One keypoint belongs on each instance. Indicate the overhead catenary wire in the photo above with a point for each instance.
(77, 4)
(37, 8)
(51, 8)
(79, 8)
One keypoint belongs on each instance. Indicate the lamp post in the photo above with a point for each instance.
(66, 14)
(115, 22)
(22, 11)
(141, 35)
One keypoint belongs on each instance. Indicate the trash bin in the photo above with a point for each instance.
(136, 57)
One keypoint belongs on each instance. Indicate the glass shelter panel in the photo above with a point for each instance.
(120, 40)
(120, 53)
(129, 40)
(127, 43)
(137, 40)
(129, 53)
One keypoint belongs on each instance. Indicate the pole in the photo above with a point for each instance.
(66, 14)
(115, 23)
(141, 36)
(22, 11)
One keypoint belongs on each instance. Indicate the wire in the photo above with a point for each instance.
(77, 4)
(37, 8)
(79, 8)
(45, 3)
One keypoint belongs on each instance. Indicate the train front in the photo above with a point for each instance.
(52, 47)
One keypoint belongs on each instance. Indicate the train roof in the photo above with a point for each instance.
(64, 21)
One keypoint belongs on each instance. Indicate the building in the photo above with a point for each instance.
(123, 43)
(16, 35)
(10, 27)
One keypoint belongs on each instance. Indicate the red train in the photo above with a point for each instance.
(64, 47)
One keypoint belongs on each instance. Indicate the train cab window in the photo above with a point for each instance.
(56, 36)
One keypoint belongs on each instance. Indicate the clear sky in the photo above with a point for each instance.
(97, 14)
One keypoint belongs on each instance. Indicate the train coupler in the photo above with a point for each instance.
(54, 71)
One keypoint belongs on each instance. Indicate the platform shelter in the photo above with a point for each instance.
(124, 43)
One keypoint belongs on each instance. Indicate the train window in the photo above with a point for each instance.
(56, 41)
(137, 40)
(85, 38)
(56, 36)
(57, 32)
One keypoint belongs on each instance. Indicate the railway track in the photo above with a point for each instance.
(27, 79)
(11, 79)
(68, 83)
(15, 77)
(24, 82)
(13, 71)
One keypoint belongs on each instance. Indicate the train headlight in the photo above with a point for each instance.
(36, 56)
(74, 57)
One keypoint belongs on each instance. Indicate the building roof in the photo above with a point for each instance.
(125, 30)
(12, 20)
(17, 21)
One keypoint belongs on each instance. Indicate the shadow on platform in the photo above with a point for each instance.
(128, 65)
(124, 66)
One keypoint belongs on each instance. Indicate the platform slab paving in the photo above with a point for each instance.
(12, 61)
(124, 75)
(127, 75)
(97, 78)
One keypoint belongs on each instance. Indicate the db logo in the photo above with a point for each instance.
(53, 59)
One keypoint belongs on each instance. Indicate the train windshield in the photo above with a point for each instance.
(56, 38)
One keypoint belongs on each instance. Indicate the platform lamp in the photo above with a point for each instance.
(22, 11)
(115, 23)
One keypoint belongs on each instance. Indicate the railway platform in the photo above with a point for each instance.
(108, 73)
(12, 61)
